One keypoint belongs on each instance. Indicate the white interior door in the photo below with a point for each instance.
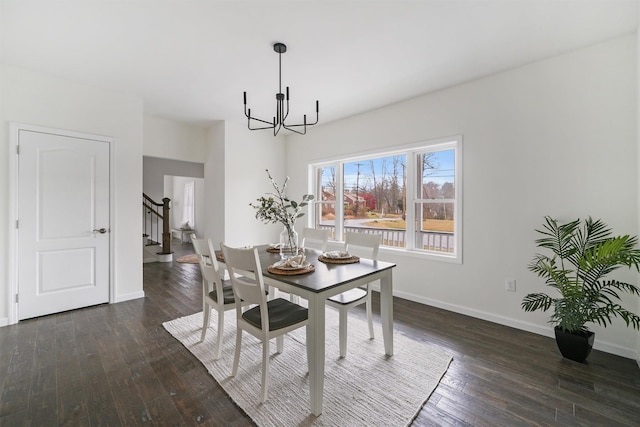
(63, 222)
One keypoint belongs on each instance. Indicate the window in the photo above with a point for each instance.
(188, 215)
(410, 196)
(325, 195)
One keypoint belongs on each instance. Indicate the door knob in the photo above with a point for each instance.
(101, 231)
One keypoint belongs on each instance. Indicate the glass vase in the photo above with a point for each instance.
(288, 242)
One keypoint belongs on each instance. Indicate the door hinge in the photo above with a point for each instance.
(17, 223)
(18, 149)
(17, 298)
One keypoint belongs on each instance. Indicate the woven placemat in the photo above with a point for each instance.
(351, 260)
(304, 270)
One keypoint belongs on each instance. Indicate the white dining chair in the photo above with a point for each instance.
(268, 319)
(315, 238)
(365, 245)
(217, 293)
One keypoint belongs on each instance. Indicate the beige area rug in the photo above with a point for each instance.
(189, 259)
(364, 389)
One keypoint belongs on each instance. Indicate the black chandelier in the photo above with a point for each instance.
(281, 113)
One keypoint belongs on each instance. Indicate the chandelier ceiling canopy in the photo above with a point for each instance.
(282, 110)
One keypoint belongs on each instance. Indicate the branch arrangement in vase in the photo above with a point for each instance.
(277, 207)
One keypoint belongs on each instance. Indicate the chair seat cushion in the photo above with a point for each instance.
(227, 293)
(282, 313)
(352, 295)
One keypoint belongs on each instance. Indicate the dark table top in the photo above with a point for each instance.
(325, 276)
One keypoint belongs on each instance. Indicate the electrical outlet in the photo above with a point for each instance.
(510, 285)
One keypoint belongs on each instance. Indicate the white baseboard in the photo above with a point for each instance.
(605, 346)
(128, 297)
(4, 321)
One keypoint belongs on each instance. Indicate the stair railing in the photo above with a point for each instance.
(152, 217)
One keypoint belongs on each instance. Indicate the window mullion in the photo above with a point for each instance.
(315, 188)
(339, 209)
(411, 192)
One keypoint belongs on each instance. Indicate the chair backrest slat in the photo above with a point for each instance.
(364, 245)
(315, 238)
(209, 266)
(242, 264)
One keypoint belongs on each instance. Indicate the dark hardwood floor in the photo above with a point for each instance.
(116, 365)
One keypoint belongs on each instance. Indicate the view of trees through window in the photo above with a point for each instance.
(376, 196)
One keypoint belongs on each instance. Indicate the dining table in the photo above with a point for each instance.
(323, 280)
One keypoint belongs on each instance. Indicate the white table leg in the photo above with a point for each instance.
(386, 311)
(315, 352)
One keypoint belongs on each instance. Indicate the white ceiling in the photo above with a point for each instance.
(191, 60)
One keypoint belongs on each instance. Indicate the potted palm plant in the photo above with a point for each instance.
(583, 254)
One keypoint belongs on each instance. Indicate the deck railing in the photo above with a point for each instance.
(437, 241)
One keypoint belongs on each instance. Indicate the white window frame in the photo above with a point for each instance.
(411, 152)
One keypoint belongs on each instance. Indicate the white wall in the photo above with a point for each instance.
(638, 162)
(154, 170)
(214, 192)
(37, 99)
(247, 155)
(556, 137)
(235, 165)
(173, 140)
